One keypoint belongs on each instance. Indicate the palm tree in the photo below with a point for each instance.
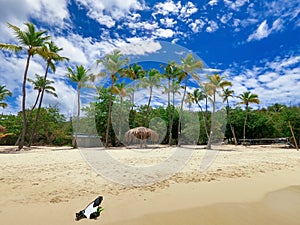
(215, 82)
(39, 84)
(120, 90)
(133, 72)
(49, 52)
(81, 77)
(189, 65)
(113, 64)
(197, 96)
(171, 73)
(189, 100)
(33, 41)
(4, 93)
(247, 98)
(151, 81)
(226, 94)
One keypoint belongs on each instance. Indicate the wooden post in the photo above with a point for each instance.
(295, 141)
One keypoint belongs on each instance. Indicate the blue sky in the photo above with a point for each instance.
(254, 43)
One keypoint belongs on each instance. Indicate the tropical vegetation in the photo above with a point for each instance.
(199, 108)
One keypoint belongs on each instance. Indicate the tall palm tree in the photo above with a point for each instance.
(49, 52)
(33, 41)
(133, 72)
(215, 82)
(113, 63)
(226, 94)
(81, 76)
(39, 84)
(120, 90)
(247, 98)
(4, 93)
(151, 81)
(189, 65)
(171, 73)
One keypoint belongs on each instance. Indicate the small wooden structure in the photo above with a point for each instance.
(263, 141)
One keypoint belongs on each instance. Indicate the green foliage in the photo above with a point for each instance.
(52, 129)
(270, 123)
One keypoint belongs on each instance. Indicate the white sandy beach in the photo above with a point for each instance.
(48, 185)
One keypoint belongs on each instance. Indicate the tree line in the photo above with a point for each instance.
(119, 96)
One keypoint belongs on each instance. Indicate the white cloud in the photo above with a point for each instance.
(168, 22)
(262, 31)
(187, 10)
(138, 46)
(236, 5)
(212, 27)
(171, 8)
(17, 12)
(268, 77)
(213, 2)
(281, 64)
(226, 17)
(168, 7)
(277, 25)
(275, 81)
(164, 33)
(72, 49)
(197, 25)
(143, 25)
(107, 12)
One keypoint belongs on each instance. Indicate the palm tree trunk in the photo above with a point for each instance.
(180, 113)
(39, 107)
(109, 114)
(245, 123)
(169, 116)
(36, 101)
(121, 115)
(212, 123)
(204, 119)
(172, 118)
(229, 120)
(21, 143)
(148, 107)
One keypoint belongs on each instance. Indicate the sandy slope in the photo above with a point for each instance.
(51, 184)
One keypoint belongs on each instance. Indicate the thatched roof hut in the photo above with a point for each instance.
(141, 134)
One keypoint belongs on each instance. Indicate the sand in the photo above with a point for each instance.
(242, 185)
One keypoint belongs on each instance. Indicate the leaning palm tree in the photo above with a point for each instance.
(113, 63)
(247, 98)
(39, 84)
(226, 94)
(49, 52)
(189, 65)
(4, 93)
(214, 83)
(80, 76)
(33, 41)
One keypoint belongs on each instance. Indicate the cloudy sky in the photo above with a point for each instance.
(254, 43)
